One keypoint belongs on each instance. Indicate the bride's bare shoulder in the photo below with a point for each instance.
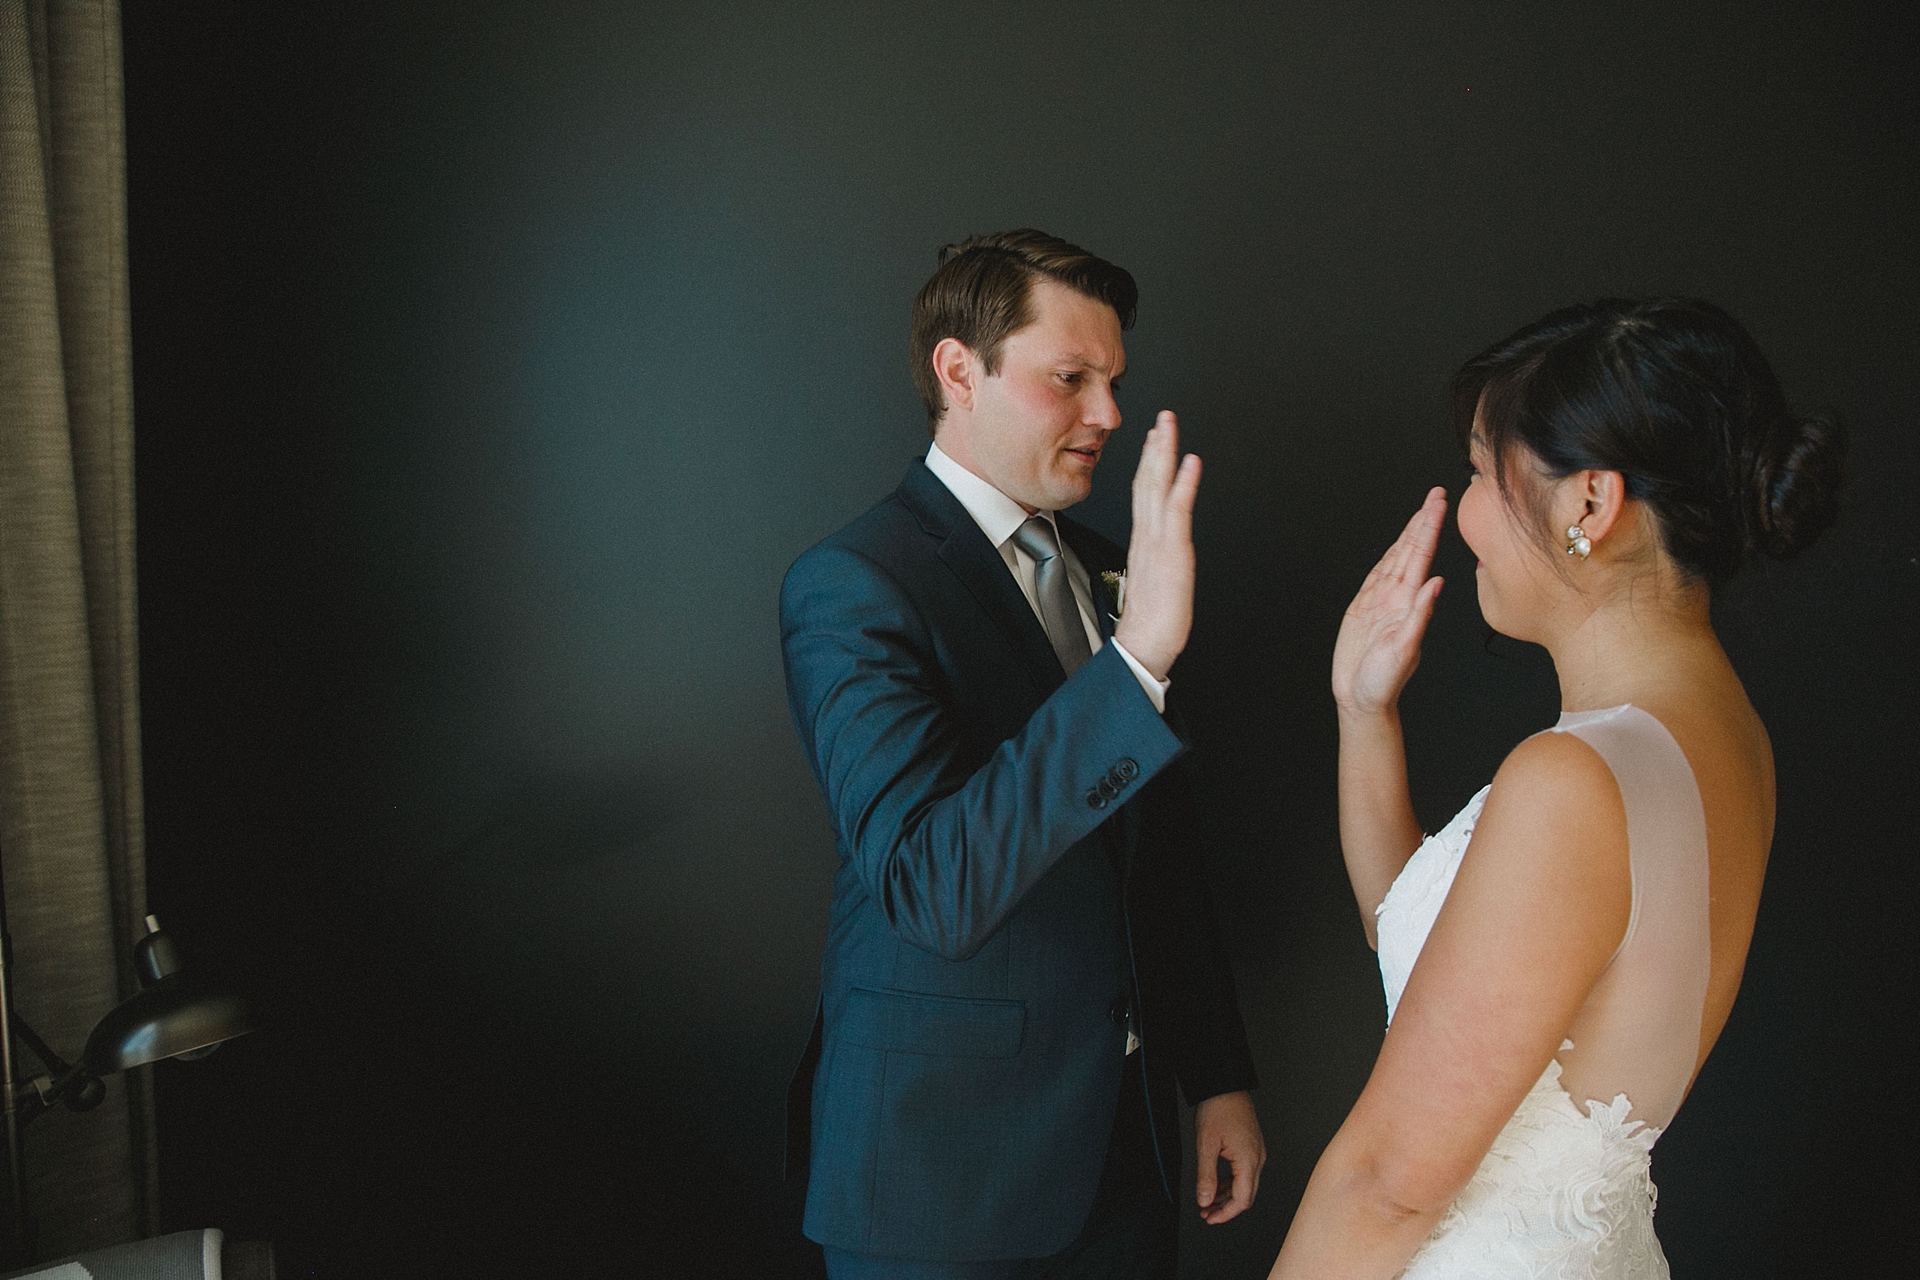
(1553, 803)
(1555, 772)
(1545, 879)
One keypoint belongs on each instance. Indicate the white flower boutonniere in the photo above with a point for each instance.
(1116, 580)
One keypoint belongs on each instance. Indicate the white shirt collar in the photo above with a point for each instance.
(996, 514)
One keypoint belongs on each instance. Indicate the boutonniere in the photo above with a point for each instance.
(1116, 580)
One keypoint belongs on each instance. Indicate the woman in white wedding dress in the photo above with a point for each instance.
(1560, 958)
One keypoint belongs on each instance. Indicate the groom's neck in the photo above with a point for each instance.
(955, 443)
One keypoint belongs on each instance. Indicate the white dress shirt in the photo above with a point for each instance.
(998, 517)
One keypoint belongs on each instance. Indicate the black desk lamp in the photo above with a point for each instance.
(173, 1016)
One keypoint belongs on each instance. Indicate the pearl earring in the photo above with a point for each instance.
(1578, 544)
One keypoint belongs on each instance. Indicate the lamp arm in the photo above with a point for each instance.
(75, 1086)
(48, 1058)
(31, 1097)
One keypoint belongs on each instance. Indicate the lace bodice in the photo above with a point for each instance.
(1566, 1191)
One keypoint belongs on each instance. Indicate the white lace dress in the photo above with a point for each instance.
(1566, 1192)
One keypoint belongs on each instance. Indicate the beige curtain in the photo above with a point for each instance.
(70, 816)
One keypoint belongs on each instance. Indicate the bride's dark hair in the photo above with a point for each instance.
(1673, 394)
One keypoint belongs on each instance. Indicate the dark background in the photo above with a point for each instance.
(493, 361)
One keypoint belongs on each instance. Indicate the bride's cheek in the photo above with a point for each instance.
(1471, 518)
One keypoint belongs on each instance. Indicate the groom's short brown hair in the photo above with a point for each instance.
(981, 293)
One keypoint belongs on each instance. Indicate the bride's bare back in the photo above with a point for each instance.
(1731, 763)
(1650, 1019)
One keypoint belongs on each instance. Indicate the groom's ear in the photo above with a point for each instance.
(956, 366)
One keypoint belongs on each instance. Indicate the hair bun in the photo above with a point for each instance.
(1796, 483)
(1673, 394)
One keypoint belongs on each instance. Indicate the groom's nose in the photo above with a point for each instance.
(1103, 410)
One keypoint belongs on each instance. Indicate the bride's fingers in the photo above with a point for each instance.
(1421, 612)
(1398, 630)
(1387, 584)
(1407, 559)
(1394, 563)
(1391, 567)
(1423, 531)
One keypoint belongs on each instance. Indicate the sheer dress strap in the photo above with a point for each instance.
(1639, 1033)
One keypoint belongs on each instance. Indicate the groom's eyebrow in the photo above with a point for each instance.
(1084, 362)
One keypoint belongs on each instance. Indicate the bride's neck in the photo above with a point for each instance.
(1633, 645)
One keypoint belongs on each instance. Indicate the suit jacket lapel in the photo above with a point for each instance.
(977, 563)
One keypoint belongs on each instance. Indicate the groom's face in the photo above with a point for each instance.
(1037, 427)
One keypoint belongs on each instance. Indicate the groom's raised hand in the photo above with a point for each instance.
(1160, 563)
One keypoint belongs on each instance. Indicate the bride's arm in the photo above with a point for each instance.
(1378, 830)
(1378, 648)
(1537, 909)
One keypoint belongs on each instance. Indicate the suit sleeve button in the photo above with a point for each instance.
(1096, 800)
(1127, 769)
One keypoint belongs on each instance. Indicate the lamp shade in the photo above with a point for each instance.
(169, 1018)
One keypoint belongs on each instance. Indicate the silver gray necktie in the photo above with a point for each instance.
(1058, 610)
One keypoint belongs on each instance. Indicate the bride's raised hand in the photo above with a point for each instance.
(1379, 644)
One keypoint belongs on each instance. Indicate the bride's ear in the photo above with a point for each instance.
(1593, 501)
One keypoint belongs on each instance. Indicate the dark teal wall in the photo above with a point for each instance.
(493, 360)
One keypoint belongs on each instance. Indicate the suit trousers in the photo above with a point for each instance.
(1131, 1233)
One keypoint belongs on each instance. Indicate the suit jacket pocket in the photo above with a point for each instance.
(907, 1022)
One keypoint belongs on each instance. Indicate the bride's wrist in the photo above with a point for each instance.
(1362, 715)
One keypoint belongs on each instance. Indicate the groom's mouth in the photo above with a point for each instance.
(1090, 454)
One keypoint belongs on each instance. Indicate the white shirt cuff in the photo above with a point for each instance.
(1156, 690)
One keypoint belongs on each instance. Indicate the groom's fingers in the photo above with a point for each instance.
(1225, 1127)
(1245, 1178)
(1207, 1184)
(1166, 425)
(1186, 487)
(1165, 483)
(1156, 469)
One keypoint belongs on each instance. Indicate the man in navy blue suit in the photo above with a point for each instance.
(1022, 961)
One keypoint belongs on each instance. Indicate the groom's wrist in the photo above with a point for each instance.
(1151, 685)
(1145, 648)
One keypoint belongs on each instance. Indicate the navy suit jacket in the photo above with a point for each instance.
(1015, 875)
